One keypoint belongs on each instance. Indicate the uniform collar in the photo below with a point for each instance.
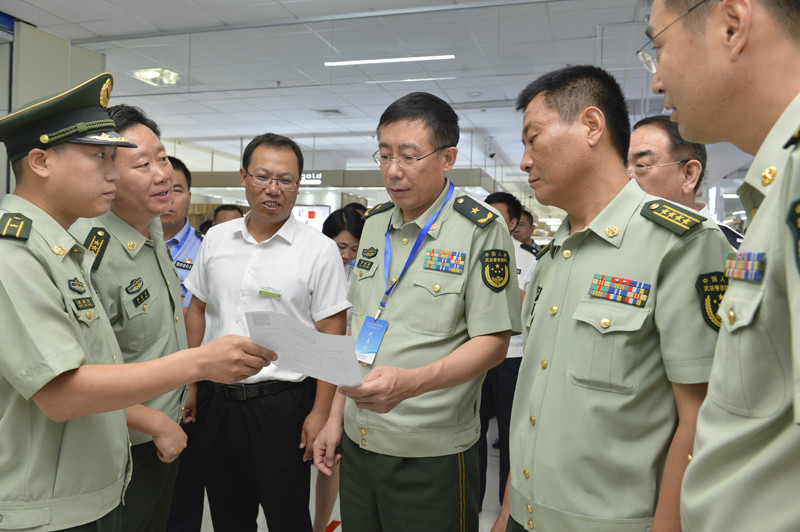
(756, 187)
(131, 239)
(612, 222)
(397, 213)
(60, 242)
(180, 234)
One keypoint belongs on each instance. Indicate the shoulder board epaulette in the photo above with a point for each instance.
(198, 234)
(96, 244)
(475, 211)
(529, 248)
(794, 140)
(15, 225)
(379, 208)
(674, 217)
(544, 250)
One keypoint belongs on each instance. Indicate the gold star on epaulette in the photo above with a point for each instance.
(677, 219)
(478, 212)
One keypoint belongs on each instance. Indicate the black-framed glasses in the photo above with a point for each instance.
(406, 161)
(640, 170)
(650, 60)
(264, 181)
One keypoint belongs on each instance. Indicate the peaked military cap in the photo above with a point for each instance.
(77, 115)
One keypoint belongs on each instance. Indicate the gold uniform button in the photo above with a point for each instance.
(59, 250)
(460, 200)
(768, 175)
(544, 364)
(361, 273)
(433, 227)
(689, 458)
(114, 358)
(612, 231)
(731, 317)
(605, 323)
(144, 307)
(654, 206)
(526, 473)
(553, 310)
(404, 241)
(177, 319)
(132, 245)
(529, 508)
(363, 442)
(566, 253)
(44, 139)
(530, 524)
(532, 420)
(363, 431)
(101, 233)
(436, 288)
(393, 280)
(88, 314)
(169, 283)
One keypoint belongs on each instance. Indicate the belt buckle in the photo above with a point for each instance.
(232, 392)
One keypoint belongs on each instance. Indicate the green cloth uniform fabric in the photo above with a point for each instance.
(594, 412)
(430, 314)
(53, 475)
(140, 291)
(745, 470)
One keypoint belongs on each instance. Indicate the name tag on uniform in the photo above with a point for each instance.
(369, 340)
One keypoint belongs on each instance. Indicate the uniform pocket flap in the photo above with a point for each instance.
(739, 309)
(23, 518)
(609, 316)
(440, 284)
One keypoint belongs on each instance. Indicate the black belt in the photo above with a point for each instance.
(243, 392)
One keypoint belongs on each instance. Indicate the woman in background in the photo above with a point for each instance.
(343, 226)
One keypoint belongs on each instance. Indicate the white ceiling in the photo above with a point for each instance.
(251, 66)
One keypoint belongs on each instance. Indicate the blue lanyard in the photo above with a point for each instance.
(387, 251)
(183, 240)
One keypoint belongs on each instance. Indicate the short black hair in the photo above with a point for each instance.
(513, 204)
(177, 164)
(570, 90)
(435, 113)
(680, 149)
(125, 116)
(343, 219)
(227, 207)
(205, 226)
(273, 140)
(528, 215)
(356, 207)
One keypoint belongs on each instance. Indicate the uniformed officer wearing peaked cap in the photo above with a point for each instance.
(63, 387)
(77, 115)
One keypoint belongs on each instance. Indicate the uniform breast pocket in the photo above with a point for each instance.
(605, 354)
(141, 325)
(748, 377)
(363, 281)
(437, 303)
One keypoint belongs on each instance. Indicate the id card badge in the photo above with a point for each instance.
(369, 339)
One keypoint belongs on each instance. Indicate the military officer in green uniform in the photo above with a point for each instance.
(435, 302)
(619, 324)
(745, 472)
(140, 291)
(64, 459)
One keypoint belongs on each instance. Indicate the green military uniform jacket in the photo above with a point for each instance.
(52, 475)
(612, 316)
(431, 312)
(140, 291)
(745, 471)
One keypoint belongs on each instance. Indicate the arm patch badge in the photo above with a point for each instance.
(494, 268)
(793, 219)
(711, 287)
(15, 225)
(477, 212)
(677, 219)
(96, 242)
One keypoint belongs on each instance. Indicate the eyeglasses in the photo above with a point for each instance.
(649, 61)
(639, 170)
(265, 181)
(406, 161)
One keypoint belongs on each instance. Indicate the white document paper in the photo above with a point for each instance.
(328, 357)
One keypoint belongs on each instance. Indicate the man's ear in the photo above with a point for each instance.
(36, 162)
(691, 173)
(594, 121)
(737, 18)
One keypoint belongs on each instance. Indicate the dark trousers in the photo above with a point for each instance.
(250, 456)
(497, 397)
(382, 493)
(149, 494)
(186, 513)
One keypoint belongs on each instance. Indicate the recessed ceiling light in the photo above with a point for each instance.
(474, 94)
(157, 77)
(389, 60)
(407, 80)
